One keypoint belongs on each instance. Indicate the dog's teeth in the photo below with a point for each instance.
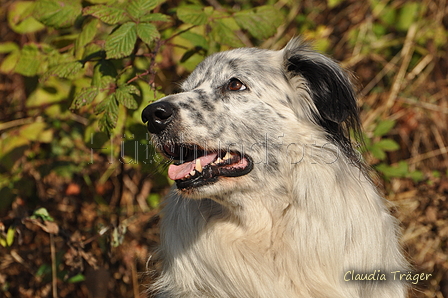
(192, 172)
(198, 165)
(227, 156)
(218, 160)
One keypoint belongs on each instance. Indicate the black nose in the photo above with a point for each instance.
(158, 115)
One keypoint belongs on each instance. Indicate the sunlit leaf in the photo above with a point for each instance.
(77, 278)
(20, 17)
(387, 145)
(86, 96)
(57, 13)
(192, 15)
(43, 214)
(261, 22)
(139, 8)
(383, 127)
(223, 34)
(108, 14)
(29, 61)
(147, 32)
(64, 70)
(407, 15)
(121, 42)
(124, 96)
(9, 62)
(86, 36)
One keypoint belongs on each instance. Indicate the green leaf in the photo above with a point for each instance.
(333, 3)
(192, 15)
(29, 61)
(43, 214)
(417, 176)
(109, 107)
(85, 97)
(9, 62)
(8, 47)
(224, 35)
(20, 17)
(147, 32)
(121, 42)
(261, 22)
(57, 13)
(124, 96)
(155, 17)
(104, 74)
(77, 278)
(400, 170)
(139, 8)
(387, 145)
(377, 152)
(111, 15)
(64, 70)
(32, 131)
(153, 200)
(195, 39)
(407, 15)
(8, 240)
(86, 36)
(10, 235)
(383, 127)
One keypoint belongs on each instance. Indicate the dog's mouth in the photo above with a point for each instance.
(194, 166)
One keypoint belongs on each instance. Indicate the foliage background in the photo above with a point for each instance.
(79, 183)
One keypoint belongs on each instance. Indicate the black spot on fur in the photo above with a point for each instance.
(204, 100)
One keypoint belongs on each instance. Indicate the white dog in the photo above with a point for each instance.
(272, 200)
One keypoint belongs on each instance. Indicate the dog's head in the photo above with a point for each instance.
(239, 109)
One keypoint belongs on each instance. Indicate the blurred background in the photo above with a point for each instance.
(80, 183)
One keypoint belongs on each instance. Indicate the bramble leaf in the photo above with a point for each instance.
(139, 8)
(64, 70)
(108, 14)
(147, 32)
(121, 42)
(29, 61)
(109, 119)
(20, 17)
(57, 13)
(261, 22)
(193, 15)
(223, 34)
(86, 96)
(86, 36)
(124, 96)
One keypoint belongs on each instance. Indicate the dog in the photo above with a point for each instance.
(271, 198)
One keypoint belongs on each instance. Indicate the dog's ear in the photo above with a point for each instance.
(330, 89)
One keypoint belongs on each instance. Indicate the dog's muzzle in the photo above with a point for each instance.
(193, 166)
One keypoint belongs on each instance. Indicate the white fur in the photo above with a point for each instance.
(292, 232)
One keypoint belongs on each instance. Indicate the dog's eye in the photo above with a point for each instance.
(236, 85)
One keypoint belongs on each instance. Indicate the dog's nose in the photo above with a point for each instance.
(158, 115)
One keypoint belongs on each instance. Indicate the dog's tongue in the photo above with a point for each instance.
(180, 171)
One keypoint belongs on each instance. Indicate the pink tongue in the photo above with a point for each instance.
(180, 171)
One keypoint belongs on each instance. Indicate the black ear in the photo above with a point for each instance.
(330, 89)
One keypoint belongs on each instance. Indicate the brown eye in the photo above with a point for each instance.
(236, 85)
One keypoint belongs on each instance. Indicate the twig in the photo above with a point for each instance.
(53, 267)
(406, 54)
(427, 155)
